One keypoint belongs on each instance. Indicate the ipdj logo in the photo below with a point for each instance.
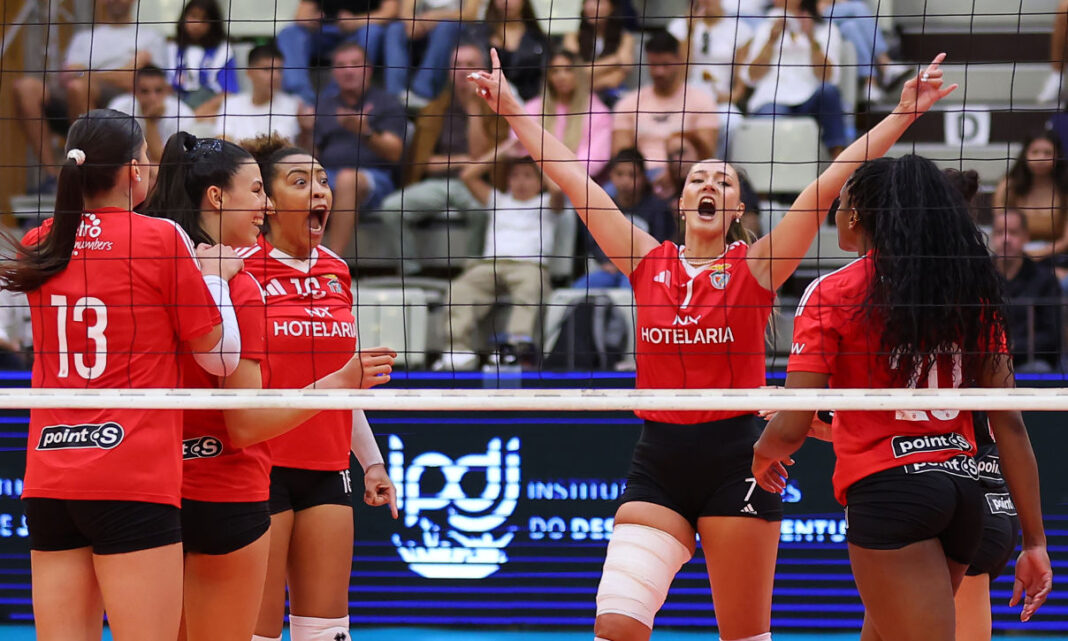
(455, 510)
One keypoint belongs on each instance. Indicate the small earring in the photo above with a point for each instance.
(137, 177)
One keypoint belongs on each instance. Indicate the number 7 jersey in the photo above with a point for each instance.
(832, 336)
(115, 317)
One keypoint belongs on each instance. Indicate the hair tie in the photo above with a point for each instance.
(77, 155)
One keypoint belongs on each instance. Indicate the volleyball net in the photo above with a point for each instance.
(438, 271)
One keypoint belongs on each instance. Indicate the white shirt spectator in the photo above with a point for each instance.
(15, 326)
(520, 229)
(108, 47)
(791, 80)
(176, 116)
(240, 119)
(712, 49)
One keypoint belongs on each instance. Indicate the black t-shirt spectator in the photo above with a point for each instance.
(331, 8)
(340, 148)
(650, 214)
(1034, 282)
(525, 66)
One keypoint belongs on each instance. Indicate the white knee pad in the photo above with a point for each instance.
(759, 637)
(257, 637)
(316, 629)
(641, 564)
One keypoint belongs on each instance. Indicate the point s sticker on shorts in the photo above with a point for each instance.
(201, 447)
(104, 436)
(915, 444)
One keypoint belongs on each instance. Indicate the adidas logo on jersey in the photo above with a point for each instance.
(663, 277)
(748, 509)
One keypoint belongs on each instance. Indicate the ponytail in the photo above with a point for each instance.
(187, 168)
(98, 145)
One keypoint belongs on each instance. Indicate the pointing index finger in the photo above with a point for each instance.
(495, 59)
(935, 63)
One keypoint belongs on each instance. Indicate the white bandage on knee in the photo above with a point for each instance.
(316, 629)
(257, 637)
(222, 359)
(759, 637)
(641, 564)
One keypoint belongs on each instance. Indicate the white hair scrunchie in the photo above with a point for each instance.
(77, 155)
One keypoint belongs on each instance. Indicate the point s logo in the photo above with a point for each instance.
(105, 436)
(451, 534)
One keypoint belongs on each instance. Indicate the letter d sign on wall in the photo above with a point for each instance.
(970, 128)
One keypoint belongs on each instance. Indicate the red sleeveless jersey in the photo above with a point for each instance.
(699, 328)
(310, 332)
(833, 336)
(114, 318)
(215, 470)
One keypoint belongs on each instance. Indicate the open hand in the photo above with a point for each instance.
(1034, 578)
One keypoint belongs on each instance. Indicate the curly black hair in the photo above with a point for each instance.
(934, 290)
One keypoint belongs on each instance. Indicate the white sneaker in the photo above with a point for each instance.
(456, 362)
(412, 101)
(1051, 90)
(895, 73)
(870, 92)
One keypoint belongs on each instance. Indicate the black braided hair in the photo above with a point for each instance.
(934, 290)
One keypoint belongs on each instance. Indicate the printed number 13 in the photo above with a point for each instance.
(94, 332)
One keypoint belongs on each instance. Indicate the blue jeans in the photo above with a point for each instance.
(602, 279)
(856, 22)
(825, 105)
(433, 72)
(299, 45)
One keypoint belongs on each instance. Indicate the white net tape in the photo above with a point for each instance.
(591, 400)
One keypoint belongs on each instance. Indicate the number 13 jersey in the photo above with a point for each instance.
(114, 318)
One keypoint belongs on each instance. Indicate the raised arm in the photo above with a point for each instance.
(774, 257)
(624, 243)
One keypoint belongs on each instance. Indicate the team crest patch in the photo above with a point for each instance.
(720, 276)
(334, 283)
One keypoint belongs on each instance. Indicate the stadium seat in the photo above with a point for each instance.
(975, 14)
(561, 299)
(395, 318)
(780, 154)
(247, 18)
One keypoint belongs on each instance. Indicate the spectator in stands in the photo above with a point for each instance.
(635, 198)
(1032, 296)
(512, 28)
(451, 132)
(359, 138)
(16, 331)
(99, 65)
(200, 62)
(645, 118)
(264, 109)
(602, 41)
(1053, 88)
(858, 24)
(433, 26)
(154, 104)
(572, 113)
(792, 69)
(1037, 187)
(519, 238)
(717, 47)
(320, 26)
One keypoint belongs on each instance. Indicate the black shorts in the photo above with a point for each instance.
(296, 489)
(1001, 529)
(221, 528)
(901, 506)
(701, 470)
(109, 527)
